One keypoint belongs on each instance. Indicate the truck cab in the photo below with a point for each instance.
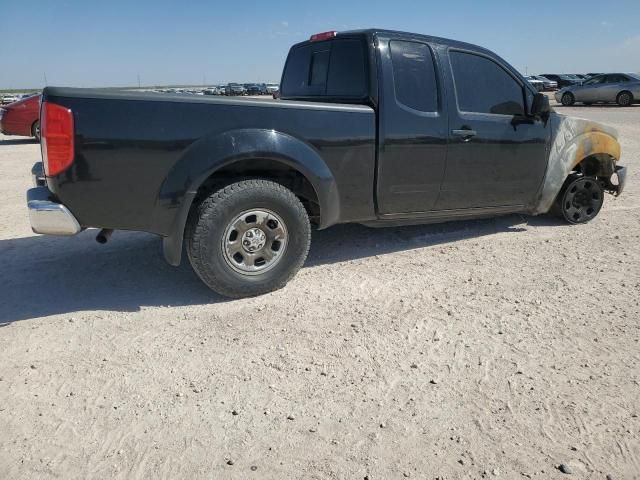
(454, 122)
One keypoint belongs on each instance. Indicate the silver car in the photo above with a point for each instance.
(621, 88)
(537, 84)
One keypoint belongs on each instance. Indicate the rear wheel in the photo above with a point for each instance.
(568, 99)
(35, 130)
(580, 199)
(624, 99)
(249, 238)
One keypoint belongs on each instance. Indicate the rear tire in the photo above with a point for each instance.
(568, 99)
(249, 238)
(35, 130)
(624, 99)
(580, 199)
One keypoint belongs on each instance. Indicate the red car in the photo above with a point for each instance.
(21, 117)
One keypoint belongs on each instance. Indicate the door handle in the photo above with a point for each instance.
(465, 133)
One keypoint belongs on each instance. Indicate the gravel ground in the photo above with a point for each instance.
(505, 347)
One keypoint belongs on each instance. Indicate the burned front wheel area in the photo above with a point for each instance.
(580, 199)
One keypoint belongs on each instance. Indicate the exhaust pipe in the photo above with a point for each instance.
(104, 235)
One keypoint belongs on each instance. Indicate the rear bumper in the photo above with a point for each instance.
(48, 216)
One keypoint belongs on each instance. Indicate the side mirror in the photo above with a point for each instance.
(540, 105)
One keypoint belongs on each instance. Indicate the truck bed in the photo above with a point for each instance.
(132, 149)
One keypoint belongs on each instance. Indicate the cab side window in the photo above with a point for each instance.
(414, 75)
(483, 86)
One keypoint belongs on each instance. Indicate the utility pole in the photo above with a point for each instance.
(138, 80)
(45, 79)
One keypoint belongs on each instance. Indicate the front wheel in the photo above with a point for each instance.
(568, 99)
(580, 199)
(249, 238)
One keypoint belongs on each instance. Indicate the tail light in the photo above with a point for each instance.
(318, 37)
(56, 129)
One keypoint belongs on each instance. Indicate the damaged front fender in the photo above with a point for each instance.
(574, 141)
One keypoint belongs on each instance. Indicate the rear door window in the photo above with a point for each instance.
(327, 69)
(414, 75)
(483, 86)
(617, 78)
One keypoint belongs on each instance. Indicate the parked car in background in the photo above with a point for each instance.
(390, 140)
(235, 89)
(9, 98)
(21, 117)
(563, 80)
(255, 89)
(272, 88)
(213, 91)
(589, 75)
(537, 84)
(621, 88)
(548, 84)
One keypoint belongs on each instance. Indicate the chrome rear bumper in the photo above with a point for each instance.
(49, 217)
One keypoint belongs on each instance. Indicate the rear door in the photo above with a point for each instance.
(497, 155)
(412, 127)
(613, 84)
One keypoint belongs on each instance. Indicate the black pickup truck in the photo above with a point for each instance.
(375, 127)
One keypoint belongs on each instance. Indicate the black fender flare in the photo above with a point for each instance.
(204, 157)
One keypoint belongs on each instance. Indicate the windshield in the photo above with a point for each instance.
(635, 76)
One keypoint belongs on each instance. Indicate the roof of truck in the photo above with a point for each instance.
(412, 36)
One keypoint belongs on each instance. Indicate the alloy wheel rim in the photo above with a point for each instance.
(255, 241)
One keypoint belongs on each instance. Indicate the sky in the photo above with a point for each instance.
(89, 43)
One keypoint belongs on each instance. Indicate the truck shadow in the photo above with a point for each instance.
(44, 276)
(17, 141)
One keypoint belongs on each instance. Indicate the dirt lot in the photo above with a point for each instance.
(490, 348)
